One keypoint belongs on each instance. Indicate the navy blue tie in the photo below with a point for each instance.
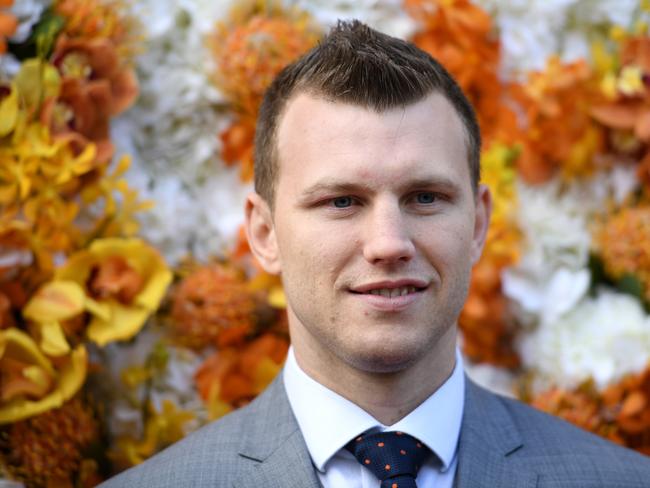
(393, 457)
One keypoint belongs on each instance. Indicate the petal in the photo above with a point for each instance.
(16, 343)
(124, 323)
(277, 298)
(37, 81)
(53, 341)
(618, 116)
(642, 127)
(155, 289)
(8, 112)
(57, 300)
(71, 378)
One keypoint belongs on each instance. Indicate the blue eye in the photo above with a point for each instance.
(425, 198)
(342, 202)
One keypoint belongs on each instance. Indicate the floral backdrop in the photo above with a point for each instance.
(131, 310)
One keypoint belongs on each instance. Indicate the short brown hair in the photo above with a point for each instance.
(358, 65)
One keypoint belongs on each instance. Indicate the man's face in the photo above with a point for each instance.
(374, 231)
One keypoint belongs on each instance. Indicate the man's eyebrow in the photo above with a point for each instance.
(330, 186)
(438, 182)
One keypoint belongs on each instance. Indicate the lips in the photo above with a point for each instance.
(390, 296)
(390, 289)
(393, 292)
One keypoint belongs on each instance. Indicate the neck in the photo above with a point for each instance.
(388, 397)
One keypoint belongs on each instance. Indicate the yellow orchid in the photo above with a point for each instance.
(30, 383)
(53, 304)
(161, 429)
(630, 81)
(124, 281)
(37, 81)
(8, 112)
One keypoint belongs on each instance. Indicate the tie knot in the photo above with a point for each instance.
(389, 454)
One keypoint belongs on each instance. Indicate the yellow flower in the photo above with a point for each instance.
(630, 81)
(8, 112)
(125, 280)
(54, 303)
(608, 86)
(30, 383)
(37, 81)
(498, 173)
(161, 429)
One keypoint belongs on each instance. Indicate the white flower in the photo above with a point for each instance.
(533, 30)
(177, 386)
(221, 200)
(174, 383)
(603, 338)
(172, 223)
(530, 31)
(28, 13)
(546, 300)
(604, 12)
(387, 16)
(552, 275)
(4, 483)
(498, 380)
(555, 252)
(14, 258)
(178, 116)
(172, 133)
(202, 220)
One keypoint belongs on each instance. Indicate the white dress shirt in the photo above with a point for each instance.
(328, 422)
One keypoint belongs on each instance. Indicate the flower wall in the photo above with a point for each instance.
(131, 309)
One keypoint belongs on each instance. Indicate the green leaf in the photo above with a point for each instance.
(40, 42)
(630, 284)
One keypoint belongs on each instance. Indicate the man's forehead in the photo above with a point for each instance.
(310, 116)
(314, 123)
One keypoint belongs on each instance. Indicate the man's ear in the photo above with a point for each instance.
(260, 232)
(483, 211)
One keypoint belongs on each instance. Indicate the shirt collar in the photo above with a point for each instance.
(328, 421)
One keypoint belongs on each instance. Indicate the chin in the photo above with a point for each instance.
(385, 359)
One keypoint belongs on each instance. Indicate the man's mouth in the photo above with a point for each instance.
(390, 289)
(394, 292)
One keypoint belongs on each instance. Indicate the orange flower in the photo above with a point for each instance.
(485, 322)
(460, 35)
(237, 146)
(213, 305)
(8, 25)
(100, 20)
(12, 294)
(631, 108)
(620, 413)
(250, 50)
(557, 104)
(624, 245)
(627, 114)
(47, 450)
(236, 376)
(95, 87)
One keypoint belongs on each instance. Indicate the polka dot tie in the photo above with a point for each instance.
(393, 457)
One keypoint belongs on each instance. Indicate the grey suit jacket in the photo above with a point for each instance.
(503, 443)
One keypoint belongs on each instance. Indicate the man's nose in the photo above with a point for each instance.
(387, 236)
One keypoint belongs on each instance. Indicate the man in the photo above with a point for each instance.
(368, 204)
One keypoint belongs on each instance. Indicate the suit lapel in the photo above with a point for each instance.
(274, 446)
(488, 437)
